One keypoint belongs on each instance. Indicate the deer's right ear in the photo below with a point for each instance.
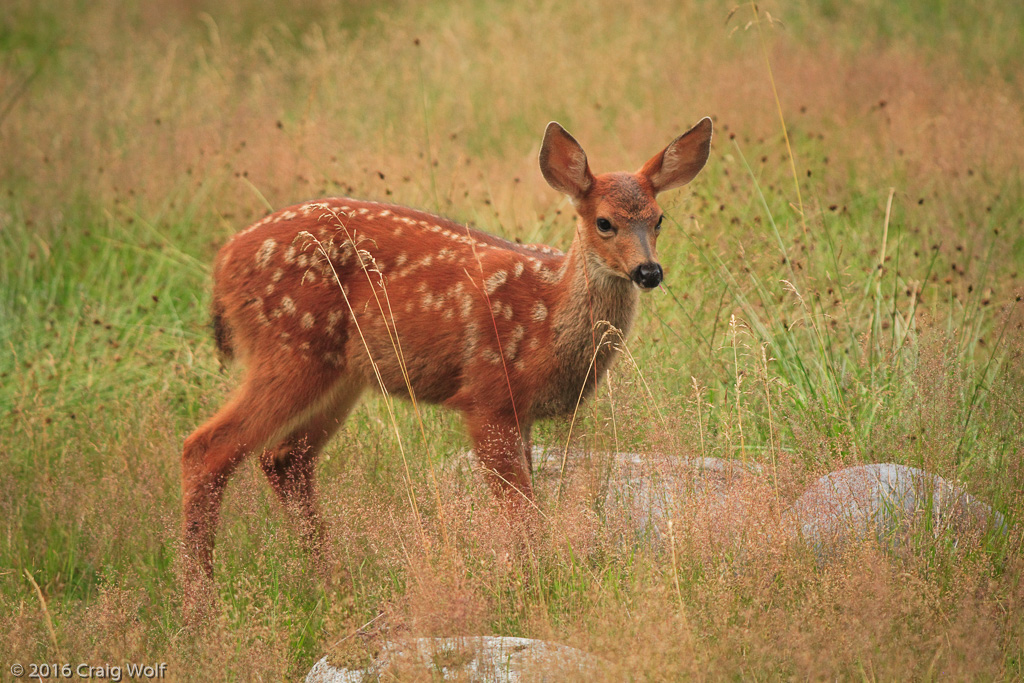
(564, 163)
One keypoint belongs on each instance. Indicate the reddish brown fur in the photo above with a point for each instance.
(318, 298)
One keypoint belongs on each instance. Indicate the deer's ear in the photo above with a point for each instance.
(682, 160)
(564, 163)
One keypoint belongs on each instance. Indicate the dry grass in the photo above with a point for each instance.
(136, 139)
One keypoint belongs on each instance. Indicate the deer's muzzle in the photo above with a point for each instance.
(647, 275)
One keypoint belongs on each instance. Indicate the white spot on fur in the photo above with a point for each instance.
(518, 269)
(511, 347)
(307, 320)
(548, 275)
(289, 254)
(344, 256)
(491, 356)
(471, 339)
(542, 248)
(261, 315)
(332, 319)
(260, 223)
(495, 280)
(540, 312)
(287, 305)
(265, 253)
(501, 309)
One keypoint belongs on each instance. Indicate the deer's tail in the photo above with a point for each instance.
(222, 333)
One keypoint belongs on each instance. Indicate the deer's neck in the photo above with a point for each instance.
(594, 316)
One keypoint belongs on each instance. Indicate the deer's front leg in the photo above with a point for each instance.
(500, 443)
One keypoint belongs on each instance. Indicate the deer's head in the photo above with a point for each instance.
(619, 216)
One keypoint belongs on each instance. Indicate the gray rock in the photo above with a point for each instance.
(644, 490)
(473, 658)
(650, 489)
(885, 500)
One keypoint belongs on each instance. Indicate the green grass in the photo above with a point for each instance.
(136, 140)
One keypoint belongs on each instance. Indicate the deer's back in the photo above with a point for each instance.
(340, 281)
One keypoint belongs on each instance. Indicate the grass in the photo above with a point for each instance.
(880, 324)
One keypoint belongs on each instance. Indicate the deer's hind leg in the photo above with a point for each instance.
(272, 399)
(290, 466)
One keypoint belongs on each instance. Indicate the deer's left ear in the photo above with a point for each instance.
(682, 160)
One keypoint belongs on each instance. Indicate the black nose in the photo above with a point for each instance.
(647, 275)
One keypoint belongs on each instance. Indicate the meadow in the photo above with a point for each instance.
(843, 286)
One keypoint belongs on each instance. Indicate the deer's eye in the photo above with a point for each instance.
(657, 226)
(604, 225)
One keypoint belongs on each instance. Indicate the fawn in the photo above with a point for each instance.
(324, 299)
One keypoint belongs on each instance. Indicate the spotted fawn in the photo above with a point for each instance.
(323, 300)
